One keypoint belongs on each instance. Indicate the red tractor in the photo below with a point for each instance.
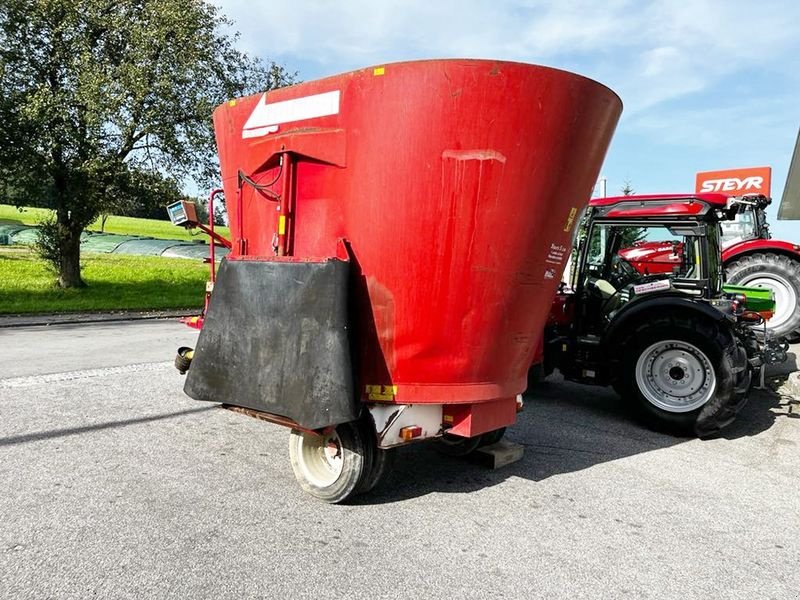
(647, 312)
(749, 255)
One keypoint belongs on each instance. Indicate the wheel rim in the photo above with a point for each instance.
(321, 458)
(675, 376)
(785, 296)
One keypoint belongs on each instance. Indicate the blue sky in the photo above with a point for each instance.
(707, 84)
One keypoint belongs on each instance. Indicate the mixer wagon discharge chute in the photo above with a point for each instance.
(397, 238)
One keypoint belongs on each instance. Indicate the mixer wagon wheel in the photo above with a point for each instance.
(379, 460)
(331, 466)
(492, 437)
(455, 445)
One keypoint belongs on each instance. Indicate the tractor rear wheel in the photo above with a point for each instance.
(779, 273)
(684, 374)
(330, 466)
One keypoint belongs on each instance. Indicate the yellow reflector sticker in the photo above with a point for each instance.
(570, 219)
(381, 392)
(447, 418)
(231, 102)
(379, 71)
(282, 224)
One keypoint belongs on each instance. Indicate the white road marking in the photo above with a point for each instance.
(31, 380)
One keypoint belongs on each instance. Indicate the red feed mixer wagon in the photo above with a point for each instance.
(398, 234)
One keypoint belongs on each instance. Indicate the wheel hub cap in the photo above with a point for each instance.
(675, 376)
(321, 458)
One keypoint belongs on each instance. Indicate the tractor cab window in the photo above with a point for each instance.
(626, 261)
(744, 227)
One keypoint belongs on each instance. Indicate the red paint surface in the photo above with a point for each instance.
(674, 209)
(449, 180)
(716, 200)
(653, 258)
(760, 245)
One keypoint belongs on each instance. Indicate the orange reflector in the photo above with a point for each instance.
(410, 432)
(754, 317)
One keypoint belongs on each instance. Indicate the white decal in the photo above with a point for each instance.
(733, 184)
(550, 274)
(653, 286)
(555, 255)
(266, 117)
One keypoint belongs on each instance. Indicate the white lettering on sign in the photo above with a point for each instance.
(733, 184)
(265, 118)
(653, 286)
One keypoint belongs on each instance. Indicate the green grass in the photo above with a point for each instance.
(115, 282)
(121, 225)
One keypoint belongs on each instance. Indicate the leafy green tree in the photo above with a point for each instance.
(102, 102)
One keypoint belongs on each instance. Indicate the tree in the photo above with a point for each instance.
(631, 235)
(101, 100)
(627, 188)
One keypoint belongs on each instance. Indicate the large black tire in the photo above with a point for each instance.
(684, 374)
(330, 467)
(779, 273)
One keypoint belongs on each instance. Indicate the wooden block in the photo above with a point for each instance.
(498, 455)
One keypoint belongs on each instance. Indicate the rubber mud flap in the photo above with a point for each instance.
(275, 339)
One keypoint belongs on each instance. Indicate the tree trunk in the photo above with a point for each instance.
(69, 268)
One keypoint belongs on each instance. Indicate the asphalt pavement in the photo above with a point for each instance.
(116, 485)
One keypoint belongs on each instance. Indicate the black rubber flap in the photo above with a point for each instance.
(275, 339)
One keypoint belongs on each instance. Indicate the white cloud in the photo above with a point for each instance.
(706, 83)
(650, 52)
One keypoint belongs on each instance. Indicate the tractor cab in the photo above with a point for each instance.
(632, 249)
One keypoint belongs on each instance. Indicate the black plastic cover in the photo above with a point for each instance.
(275, 339)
